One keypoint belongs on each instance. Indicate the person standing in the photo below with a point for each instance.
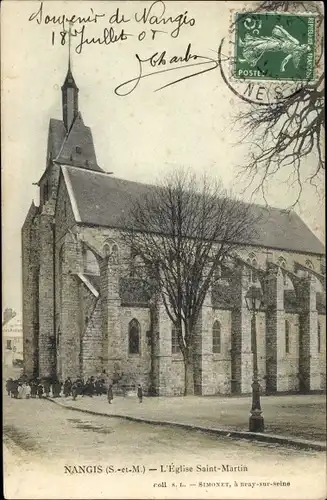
(28, 391)
(67, 387)
(47, 388)
(8, 386)
(20, 391)
(110, 394)
(140, 393)
(33, 389)
(40, 390)
(75, 390)
(14, 389)
(23, 395)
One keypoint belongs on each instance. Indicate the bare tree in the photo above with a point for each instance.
(283, 134)
(182, 231)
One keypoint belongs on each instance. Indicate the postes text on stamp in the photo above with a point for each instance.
(275, 46)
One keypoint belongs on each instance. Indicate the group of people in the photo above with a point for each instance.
(25, 389)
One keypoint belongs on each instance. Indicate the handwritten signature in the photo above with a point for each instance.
(158, 61)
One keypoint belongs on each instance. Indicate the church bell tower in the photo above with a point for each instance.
(69, 94)
(69, 99)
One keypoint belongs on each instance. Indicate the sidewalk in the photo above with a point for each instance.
(288, 419)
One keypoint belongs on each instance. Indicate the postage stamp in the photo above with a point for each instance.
(275, 46)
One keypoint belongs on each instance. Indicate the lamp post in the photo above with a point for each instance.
(253, 300)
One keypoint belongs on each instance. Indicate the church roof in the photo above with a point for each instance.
(77, 147)
(102, 200)
(57, 134)
(69, 80)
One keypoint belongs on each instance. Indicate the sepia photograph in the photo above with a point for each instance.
(163, 255)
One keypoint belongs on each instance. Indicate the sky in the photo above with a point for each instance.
(139, 136)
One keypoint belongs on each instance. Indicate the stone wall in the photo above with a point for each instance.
(46, 297)
(221, 362)
(322, 354)
(90, 330)
(30, 288)
(136, 367)
(241, 359)
(291, 364)
(92, 341)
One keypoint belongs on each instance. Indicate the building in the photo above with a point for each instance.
(82, 316)
(12, 340)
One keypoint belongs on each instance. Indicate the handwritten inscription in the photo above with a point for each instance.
(150, 22)
(159, 61)
(149, 17)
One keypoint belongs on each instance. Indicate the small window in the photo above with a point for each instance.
(287, 337)
(115, 253)
(319, 337)
(78, 150)
(216, 338)
(134, 337)
(106, 249)
(309, 264)
(9, 344)
(252, 273)
(282, 263)
(175, 349)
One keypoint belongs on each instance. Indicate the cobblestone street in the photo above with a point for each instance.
(41, 438)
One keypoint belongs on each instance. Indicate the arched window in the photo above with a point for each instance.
(252, 273)
(114, 251)
(106, 249)
(134, 337)
(309, 264)
(282, 263)
(287, 337)
(319, 337)
(111, 251)
(175, 349)
(216, 338)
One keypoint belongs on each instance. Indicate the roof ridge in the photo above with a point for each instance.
(84, 169)
(267, 207)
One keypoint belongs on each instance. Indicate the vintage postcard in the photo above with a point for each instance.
(164, 317)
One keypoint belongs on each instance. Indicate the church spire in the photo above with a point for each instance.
(69, 92)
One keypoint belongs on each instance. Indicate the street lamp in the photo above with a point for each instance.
(253, 300)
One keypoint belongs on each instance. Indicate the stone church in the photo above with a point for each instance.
(83, 316)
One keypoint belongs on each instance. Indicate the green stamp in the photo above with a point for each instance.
(275, 46)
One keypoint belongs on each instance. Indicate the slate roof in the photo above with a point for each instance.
(57, 134)
(103, 200)
(77, 148)
(69, 80)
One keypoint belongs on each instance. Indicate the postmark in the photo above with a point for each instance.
(275, 46)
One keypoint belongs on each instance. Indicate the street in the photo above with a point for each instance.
(54, 452)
